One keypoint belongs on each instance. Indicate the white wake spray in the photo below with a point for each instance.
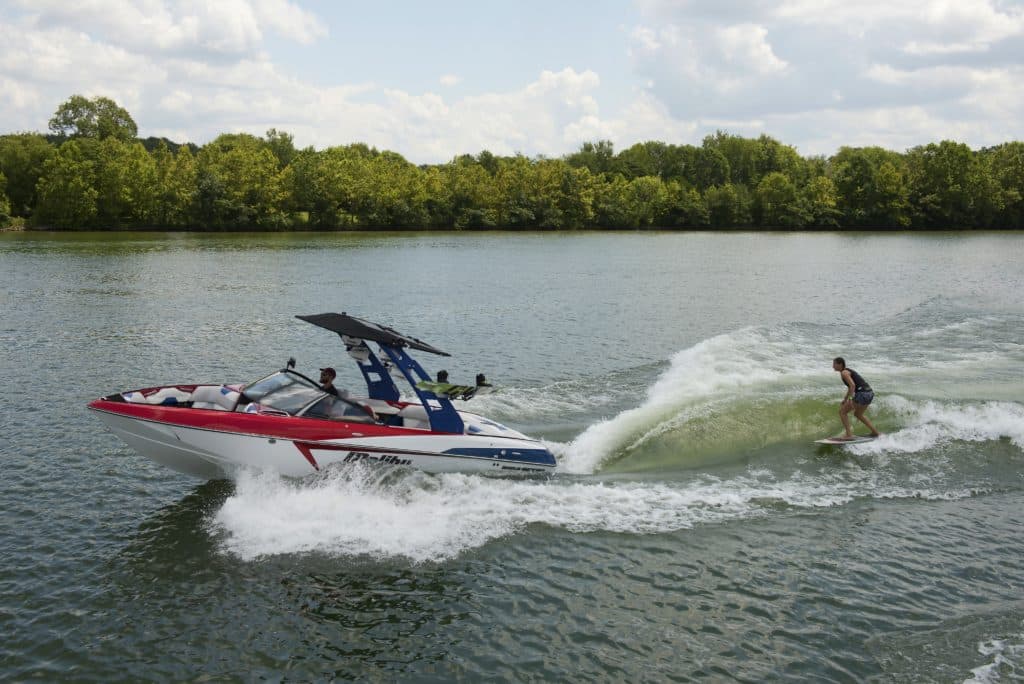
(927, 423)
(750, 361)
(1006, 661)
(354, 512)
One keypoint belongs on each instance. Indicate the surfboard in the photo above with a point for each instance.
(449, 391)
(840, 440)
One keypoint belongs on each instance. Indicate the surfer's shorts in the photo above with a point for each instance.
(863, 398)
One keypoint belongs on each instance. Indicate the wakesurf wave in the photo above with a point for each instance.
(744, 364)
(758, 386)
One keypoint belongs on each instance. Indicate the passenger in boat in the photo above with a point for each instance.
(354, 407)
(327, 376)
(859, 396)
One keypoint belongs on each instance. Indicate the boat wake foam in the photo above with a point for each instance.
(1006, 661)
(384, 513)
(929, 423)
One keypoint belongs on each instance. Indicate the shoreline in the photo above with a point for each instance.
(564, 231)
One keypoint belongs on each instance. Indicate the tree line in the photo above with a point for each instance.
(92, 172)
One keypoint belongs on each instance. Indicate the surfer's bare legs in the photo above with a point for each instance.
(858, 412)
(844, 415)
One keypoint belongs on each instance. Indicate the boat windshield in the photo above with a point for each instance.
(284, 392)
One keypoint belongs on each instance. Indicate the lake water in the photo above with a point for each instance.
(693, 530)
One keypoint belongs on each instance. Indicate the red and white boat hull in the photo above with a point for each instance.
(214, 444)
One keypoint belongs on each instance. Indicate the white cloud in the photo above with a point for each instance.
(644, 119)
(225, 27)
(916, 68)
(814, 73)
(174, 88)
(646, 40)
(920, 27)
(291, 21)
(745, 47)
(18, 95)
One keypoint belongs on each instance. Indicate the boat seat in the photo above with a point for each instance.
(415, 416)
(215, 397)
(166, 396)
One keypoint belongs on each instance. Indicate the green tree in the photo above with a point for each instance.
(22, 158)
(393, 193)
(468, 195)
(597, 157)
(115, 187)
(516, 185)
(638, 203)
(100, 118)
(686, 208)
(488, 161)
(647, 202)
(820, 201)
(67, 189)
(239, 184)
(749, 159)
(711, 169)
(5, 205)
(577, 190)
(729, 205)
(777, 203)
(102, 177)
(563, 196)
(872, 187)
(355, 186)
(1006, 164)
(126, 184)
(950, 186)
(892, 204)
(742, 154)
(175, 187)
(610, 202)
(642, 159)
(282, 145)
(778, 158)
(327, 185)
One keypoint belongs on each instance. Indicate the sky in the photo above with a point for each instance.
(435, 79)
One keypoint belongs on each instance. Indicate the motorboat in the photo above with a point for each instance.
(287, 423)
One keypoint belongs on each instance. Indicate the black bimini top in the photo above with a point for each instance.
(343, 324)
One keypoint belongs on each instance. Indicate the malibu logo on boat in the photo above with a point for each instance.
(357, 456)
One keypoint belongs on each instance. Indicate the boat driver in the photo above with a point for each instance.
(353, 407)
(327, 376)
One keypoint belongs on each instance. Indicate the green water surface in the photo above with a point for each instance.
(693, 531)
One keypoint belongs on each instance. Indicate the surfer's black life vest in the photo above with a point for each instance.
(859, 383)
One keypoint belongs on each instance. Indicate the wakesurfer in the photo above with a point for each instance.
(859, 396)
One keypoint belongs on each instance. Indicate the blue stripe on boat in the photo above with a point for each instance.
(539, 456)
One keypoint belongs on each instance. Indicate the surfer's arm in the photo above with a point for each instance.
(849, 386)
